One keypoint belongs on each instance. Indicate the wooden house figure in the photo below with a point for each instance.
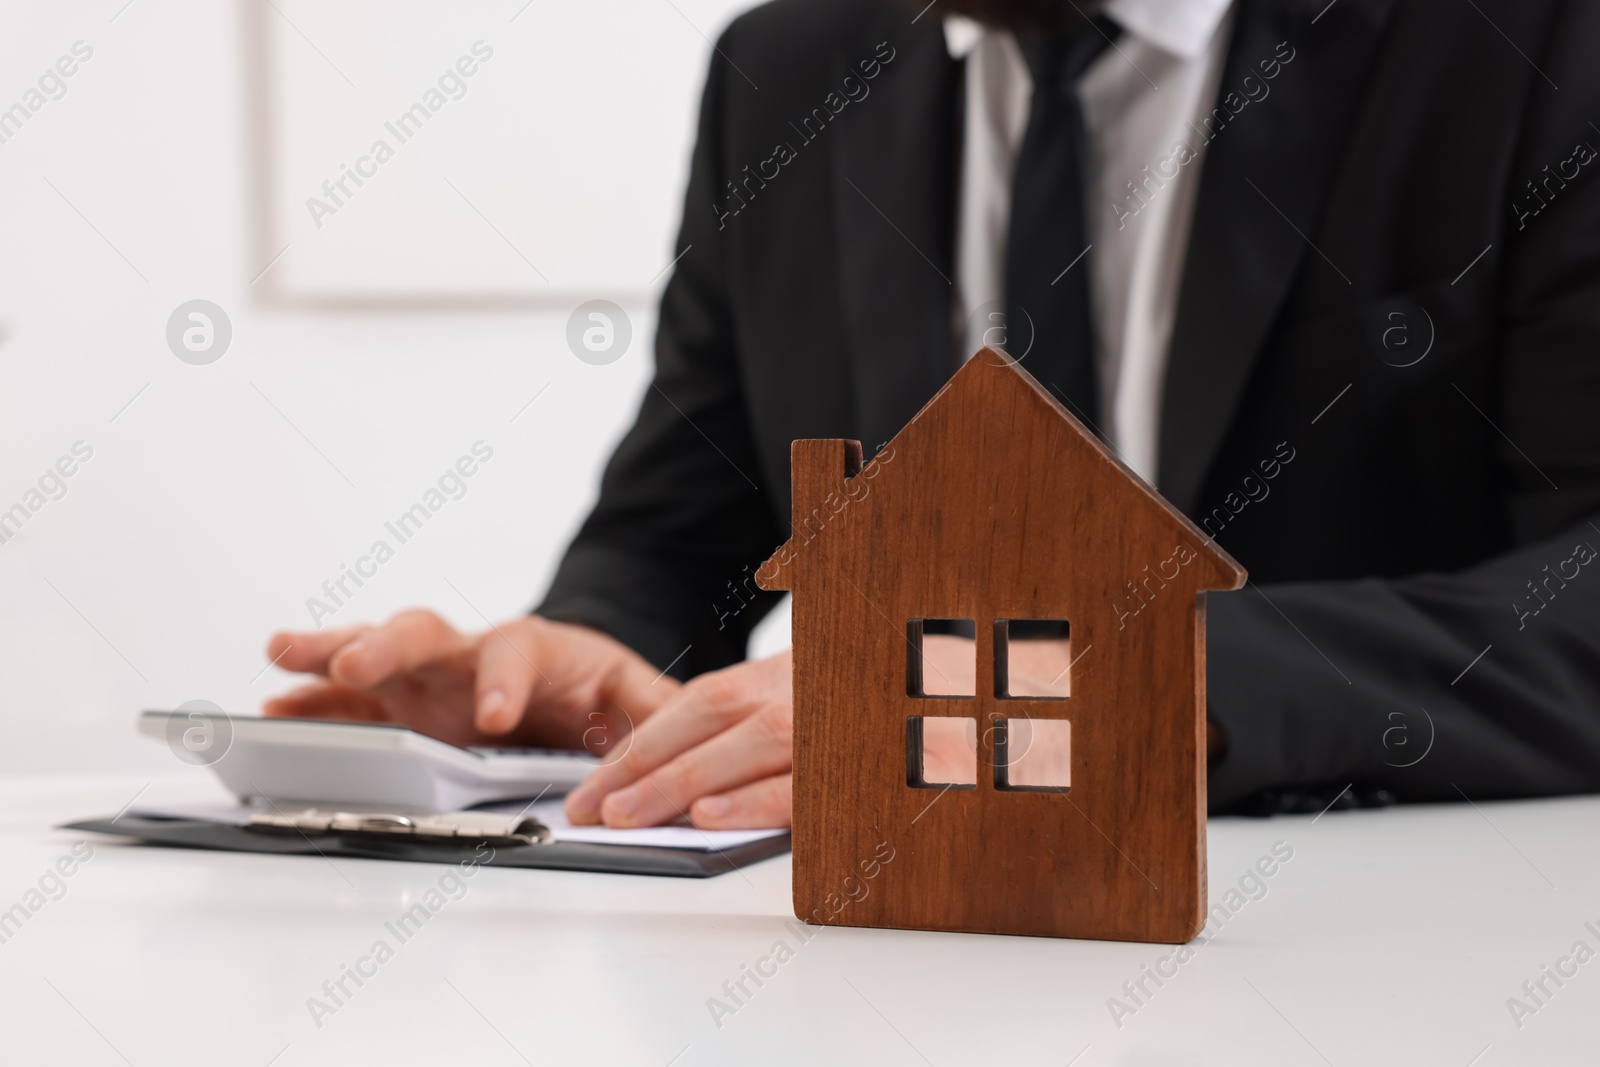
(994, 508)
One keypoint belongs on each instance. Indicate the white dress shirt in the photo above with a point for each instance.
(1142, 99)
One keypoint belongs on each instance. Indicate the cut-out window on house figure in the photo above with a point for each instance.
(1032, 659)
(941, 658)
(1033, 755)
(941, 752)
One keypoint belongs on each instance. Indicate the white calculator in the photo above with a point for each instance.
(324, 761)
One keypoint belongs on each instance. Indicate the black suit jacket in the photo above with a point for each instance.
(1421, 615)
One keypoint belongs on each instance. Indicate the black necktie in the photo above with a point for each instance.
(1047, 268)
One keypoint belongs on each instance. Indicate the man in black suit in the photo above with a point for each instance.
(1379, 392)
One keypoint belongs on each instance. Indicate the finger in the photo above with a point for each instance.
(404, 643)
(697, 712)
(756, 748)
(308, 652)
(324, 700)
(756, 806)
(508, 670)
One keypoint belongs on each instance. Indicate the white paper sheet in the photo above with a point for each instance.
(553, 814)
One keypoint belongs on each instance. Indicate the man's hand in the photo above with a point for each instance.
(528, 681)
(718, 751)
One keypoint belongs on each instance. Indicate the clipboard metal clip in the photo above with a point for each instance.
(463, 827)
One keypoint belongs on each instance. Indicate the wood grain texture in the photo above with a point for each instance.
(995, 503)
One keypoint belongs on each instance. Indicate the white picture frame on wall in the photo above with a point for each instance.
(477, 153)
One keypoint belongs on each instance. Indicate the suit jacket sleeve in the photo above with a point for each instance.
(1341, 682)
(664, 563)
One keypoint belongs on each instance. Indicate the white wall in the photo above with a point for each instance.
(204, 519)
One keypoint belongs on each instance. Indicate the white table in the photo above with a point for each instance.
(1391, 937)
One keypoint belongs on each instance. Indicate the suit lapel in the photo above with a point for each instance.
(893, 188)
(1267, 175)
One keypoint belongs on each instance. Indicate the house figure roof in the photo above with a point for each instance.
(994, 417)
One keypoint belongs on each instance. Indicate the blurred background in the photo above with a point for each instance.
(358, 339)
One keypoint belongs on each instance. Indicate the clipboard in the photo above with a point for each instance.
(444, 838)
